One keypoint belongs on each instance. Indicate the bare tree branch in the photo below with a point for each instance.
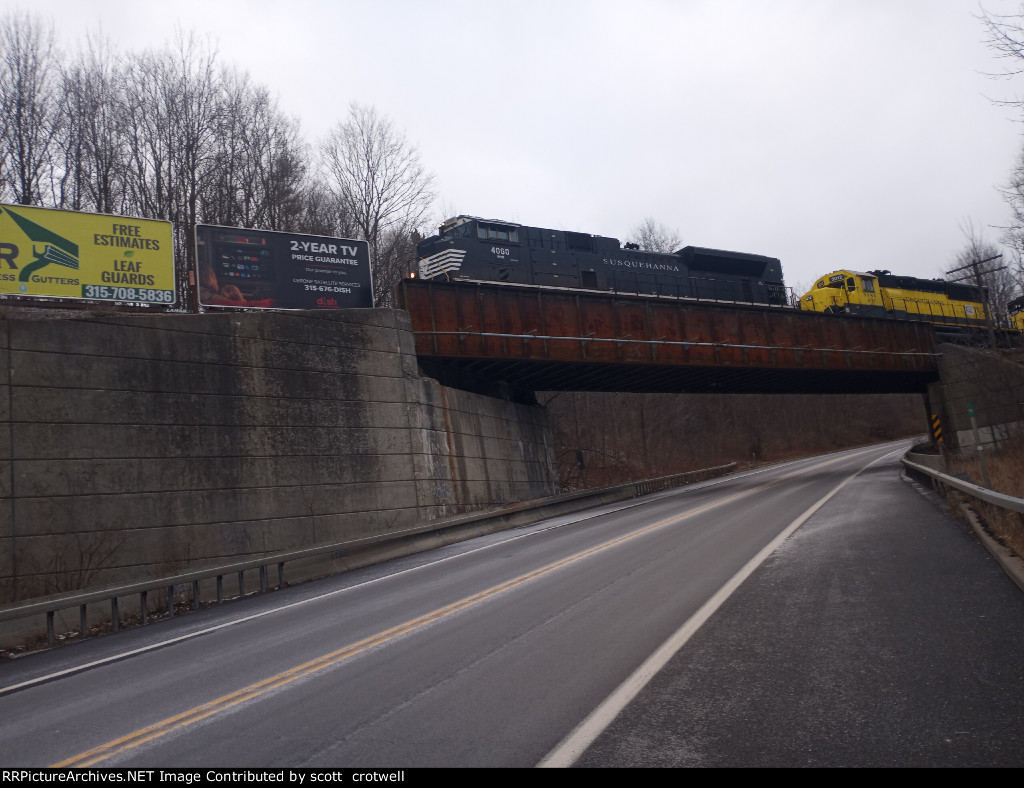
(653, 236)
(380, 184)
(28, 102)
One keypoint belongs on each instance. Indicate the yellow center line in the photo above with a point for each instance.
(201, 712)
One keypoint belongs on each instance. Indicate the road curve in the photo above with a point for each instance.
(880, 634)
(488, 653)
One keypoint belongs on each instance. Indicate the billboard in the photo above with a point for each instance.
(50, 253)
(263, 269)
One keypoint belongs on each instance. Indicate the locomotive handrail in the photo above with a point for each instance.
(619, 293)
(981, 493)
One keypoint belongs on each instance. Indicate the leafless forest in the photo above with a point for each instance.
(179, 135)
(623, 437)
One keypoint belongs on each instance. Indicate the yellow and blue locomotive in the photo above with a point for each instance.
(883, 294)
(1015, 309)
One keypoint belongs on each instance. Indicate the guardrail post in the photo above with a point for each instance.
(49, 628)
(980, 448)
(82, 621)
(280, 574)
(241, 584)
(143, 607)
(115, 617)
(195, 594)
(170, 601)
(263, 579)
(220, 589)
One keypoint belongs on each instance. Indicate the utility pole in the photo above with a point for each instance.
(976, 267)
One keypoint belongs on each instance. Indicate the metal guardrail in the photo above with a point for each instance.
(981, 493)
(679, 479)
(574, 501)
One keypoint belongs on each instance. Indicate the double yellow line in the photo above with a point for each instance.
(194, 715)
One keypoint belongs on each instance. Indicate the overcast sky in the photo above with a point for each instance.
(829, 133)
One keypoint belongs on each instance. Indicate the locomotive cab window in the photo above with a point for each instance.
(457, 228)
(462, 231)
(851, 284)
(869, 285)
(497, 232)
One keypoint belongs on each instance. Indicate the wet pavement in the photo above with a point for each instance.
(881, 633)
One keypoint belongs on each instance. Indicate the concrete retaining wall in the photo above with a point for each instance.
(139, 446)
(993, 386)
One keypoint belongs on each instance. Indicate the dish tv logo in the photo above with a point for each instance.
(324, 302)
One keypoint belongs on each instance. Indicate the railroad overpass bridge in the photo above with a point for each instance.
(164, 441)
(514, 340)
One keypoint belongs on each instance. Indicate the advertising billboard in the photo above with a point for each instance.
(50, 253)
(262, 269)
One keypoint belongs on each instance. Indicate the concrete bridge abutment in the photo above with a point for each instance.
(979, 382)
(139, 446)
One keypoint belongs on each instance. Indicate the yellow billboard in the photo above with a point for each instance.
(51, 253)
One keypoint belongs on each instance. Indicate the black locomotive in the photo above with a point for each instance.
(467, 248)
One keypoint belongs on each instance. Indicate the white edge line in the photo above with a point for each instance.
(568, 751)
(189, 635)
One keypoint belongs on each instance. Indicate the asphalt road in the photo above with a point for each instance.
(880, 634)
(775, 627)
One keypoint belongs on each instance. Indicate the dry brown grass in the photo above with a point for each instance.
(1006, 469)
(1005, 466)
(1005, 526)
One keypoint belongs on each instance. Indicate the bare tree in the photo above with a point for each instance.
(193, 93)
(996, 277)
(168, 134)
(1004, 36)
(1013, 234)
(321, 212)
(92, 139)
(662, 434)
(653, 236)
(260, 162)
(378, 179)
(28, 102)
(282, 174)
(172, 96)
(70, 174)
(230, 197)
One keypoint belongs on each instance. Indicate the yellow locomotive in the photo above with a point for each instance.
(883, 294)
(1016, 311)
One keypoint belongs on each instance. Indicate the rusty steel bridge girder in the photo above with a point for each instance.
(491, 336)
